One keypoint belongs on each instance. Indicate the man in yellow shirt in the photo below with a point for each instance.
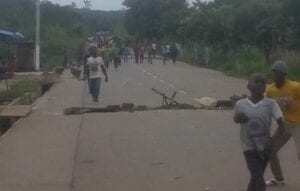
(287, 94)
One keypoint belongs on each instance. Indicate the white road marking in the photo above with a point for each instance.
(171, 85)
(144, 70)
(183, 92)
(155, 77)
(162, 81)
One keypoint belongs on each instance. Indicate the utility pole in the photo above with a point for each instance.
(37, 35)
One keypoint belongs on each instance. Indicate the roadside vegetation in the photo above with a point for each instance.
(64, 29)
(19, 89)
(234, 36)
(238, 37)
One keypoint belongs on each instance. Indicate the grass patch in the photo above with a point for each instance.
(241, 63)
(19, 89)
(294, 69)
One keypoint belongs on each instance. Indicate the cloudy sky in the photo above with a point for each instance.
(96, 4)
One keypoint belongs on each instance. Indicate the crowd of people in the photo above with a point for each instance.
(279, 101)
(104, 51)
(166, 52)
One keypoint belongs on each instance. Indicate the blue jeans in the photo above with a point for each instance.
(94, 86)
(257, 163)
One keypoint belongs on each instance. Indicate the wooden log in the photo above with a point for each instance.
(128, 106)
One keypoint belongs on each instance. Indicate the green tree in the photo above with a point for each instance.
(87, 4)
(155, 19)
(64, 29)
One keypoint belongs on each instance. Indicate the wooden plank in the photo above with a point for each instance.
(15, 111)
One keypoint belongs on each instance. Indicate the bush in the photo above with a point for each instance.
(242, 62)
(19, 89)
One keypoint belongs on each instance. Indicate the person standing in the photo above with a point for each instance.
(255, 114)
(12, 66)
(86, 68)
(165, 51)
(142, 54)
(126, 54)
(95, 64)
(149, 51)
(153, 50)
(3, 68)
(106, 56)
(136, 51)
(287, 95)
(174, 52)
(116, 57)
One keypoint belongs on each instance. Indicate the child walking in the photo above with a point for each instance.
(255, 114)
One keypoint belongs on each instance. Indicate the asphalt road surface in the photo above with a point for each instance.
(139, 151)
(166, 150)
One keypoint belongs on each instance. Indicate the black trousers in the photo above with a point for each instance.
(257, 163)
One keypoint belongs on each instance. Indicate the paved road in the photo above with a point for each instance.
(166, 150)
(141, 151)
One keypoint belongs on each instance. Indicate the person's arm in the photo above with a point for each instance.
(278, 133)
(277, 114)
(88, 63)
(267, 92)
(239, 116)
(104, 72)
(103, 69)
(281, 126)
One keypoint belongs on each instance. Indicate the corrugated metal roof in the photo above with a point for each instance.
(6, 33)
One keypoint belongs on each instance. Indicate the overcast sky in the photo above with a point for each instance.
(96, 4)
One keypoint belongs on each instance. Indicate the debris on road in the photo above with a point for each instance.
(207, 101)
(168, 103)
(211, 103)
(166, 100)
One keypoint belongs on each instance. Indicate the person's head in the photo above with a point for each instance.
(93, 51)
(257, 85)
(279, 73)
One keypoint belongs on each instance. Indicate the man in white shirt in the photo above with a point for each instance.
(153, 50)
(95, 64)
